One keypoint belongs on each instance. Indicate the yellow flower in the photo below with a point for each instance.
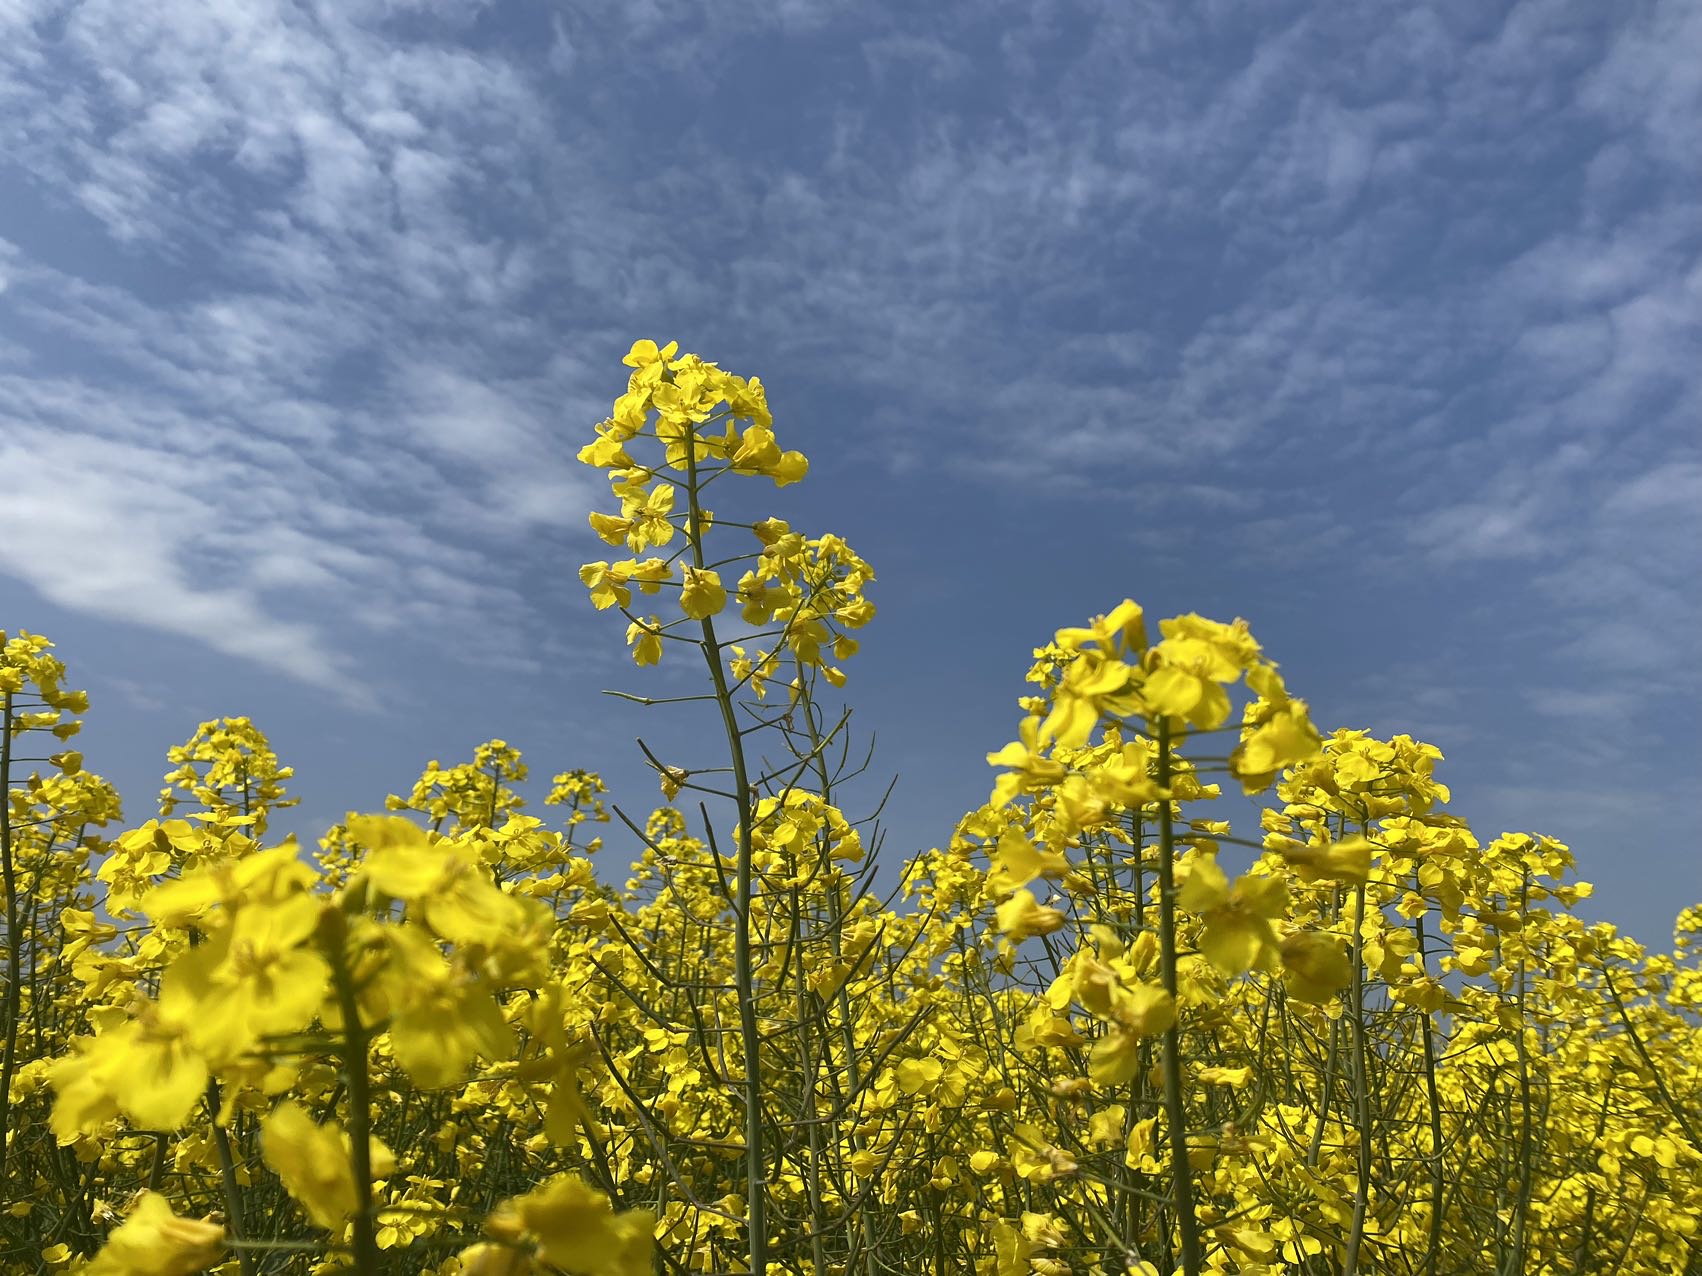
(1115, 1058)
(1035, 1158)
(1315, 966)
(153, 1241)
(608, 584)
(648, 512)
(790, 468)
(148, 1067)
(1238, 935)
(1185, 669)
(648, 364)
(1106, 1125)
(759, 600)
(1092, 686)
(918, 1076)
(650, 574)
(1011, 1249)
(1273, 737)
(757, 452)
(610, 528)
(1142, 1148)
(443, 877)
(1021, 916)
(313, 1163)
(702, 595)
(256, 976)
(1017, 861)
(757, 671)
(486, 1259)
(267, 877)
(1348, 860)
(578, 1231)
(644, 353)
(1029, 768)
(442, 1015)
(1118, 634)
(606, 452)
(645, 639)
(1220, 1075)
(1180, 691)
(1138, 1010)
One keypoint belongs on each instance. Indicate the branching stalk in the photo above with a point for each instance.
(756, 1164)
(1175, 1116)
(356, 1039)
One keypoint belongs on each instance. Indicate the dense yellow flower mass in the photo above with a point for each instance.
(1098, 1031)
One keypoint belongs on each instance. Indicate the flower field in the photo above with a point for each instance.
(1098, 1031)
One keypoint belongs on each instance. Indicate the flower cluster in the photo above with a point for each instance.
(1095, 1032)
(811, 588)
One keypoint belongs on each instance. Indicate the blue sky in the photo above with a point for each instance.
(1379, 325)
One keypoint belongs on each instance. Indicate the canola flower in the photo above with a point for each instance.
(1096, 1031)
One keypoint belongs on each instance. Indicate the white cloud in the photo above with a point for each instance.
(1396, 293)
(318, 179)
(117, 549)
(1651, 79)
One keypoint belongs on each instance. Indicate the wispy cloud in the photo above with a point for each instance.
(116, 550)
(316, 303)
(303, 409)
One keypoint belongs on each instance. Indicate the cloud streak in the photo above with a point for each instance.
(316, 303)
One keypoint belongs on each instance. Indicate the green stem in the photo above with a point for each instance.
(14, 934)
(1587, 1232)
(227, 1176)
(356, 1039)
(1433, 1097)
(1361, 1092)
(847, 1030)
(1181, 1181)
(1679, 1113)
(1522, 1204)
(756, 1185)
